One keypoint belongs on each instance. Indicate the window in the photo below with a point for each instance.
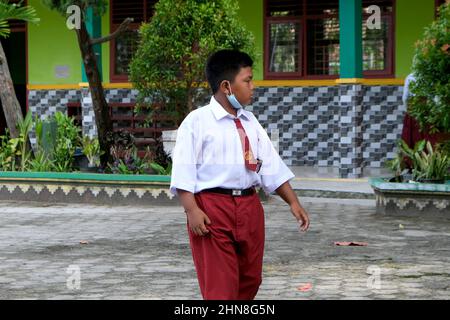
(123, 47)
(378, 43)
(322, 38)
(302, 39)
(283, 27)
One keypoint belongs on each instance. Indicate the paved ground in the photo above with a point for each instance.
(101, 252)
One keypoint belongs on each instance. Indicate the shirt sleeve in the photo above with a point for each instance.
(274, 171)
(184, 160)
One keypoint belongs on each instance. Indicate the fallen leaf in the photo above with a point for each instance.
(401, 226)
(351, 243)
(84, 242)
(306, 287)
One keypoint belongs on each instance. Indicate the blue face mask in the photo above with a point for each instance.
(233, 101)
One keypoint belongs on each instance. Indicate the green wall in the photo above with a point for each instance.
(251, 12)
(105, 47)
(412, 16)
(51, 44)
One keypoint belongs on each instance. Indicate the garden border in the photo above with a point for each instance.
(412, 199)
(93, 188)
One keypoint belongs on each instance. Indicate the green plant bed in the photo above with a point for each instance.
(411, 199)
(77, 187)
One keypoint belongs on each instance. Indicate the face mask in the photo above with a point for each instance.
(233, 101)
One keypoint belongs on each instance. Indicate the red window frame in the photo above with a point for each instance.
(389, 66)
(114, 77)
(281, 75)
(303, 57)
(306, 75)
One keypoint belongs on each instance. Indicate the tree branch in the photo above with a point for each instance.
(123, 26)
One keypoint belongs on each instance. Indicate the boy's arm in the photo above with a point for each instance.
(288, 195)
(196, 217)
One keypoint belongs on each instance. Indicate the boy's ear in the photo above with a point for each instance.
(225, 87)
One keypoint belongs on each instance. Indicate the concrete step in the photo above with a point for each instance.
(333, 188)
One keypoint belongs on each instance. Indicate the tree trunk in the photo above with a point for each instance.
(101, 110)
(11, 106)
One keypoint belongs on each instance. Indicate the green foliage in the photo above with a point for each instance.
(46, 132)
(431, 164)
(24, 127)
(67, 139)
(91, 149)
(445, 147)
(397, 165)
(427, 163)
(99, 6)
(14, 154)
(130, 163)
(41, 162)
(57, 138)
(9, 11)
(174, 46)
(8, 149)
(126, 159)
(160, 169)
(430, 104)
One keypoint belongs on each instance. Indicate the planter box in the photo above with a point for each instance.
(412, 199)
(109, 189)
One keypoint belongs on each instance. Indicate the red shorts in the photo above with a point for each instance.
(229, 258)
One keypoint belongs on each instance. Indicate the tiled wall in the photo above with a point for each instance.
(44, 103)
(310, 125)
(322, 126)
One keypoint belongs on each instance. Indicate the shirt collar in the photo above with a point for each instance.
(220, 112)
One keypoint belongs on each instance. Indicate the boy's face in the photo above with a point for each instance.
(243, 87)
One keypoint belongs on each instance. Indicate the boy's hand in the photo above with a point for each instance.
(301, 215)
(197, 220)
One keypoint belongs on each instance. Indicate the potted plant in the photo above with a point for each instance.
(430, 166)
(169, 79)
(91, 149)
(423, 163)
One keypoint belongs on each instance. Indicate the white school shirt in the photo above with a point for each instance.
(208, 153)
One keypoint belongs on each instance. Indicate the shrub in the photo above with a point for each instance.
(170, 60)
(430, 103)
(427, 163)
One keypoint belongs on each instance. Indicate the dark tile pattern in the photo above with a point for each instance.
(349, 126)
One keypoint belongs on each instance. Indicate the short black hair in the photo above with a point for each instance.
(225, 65)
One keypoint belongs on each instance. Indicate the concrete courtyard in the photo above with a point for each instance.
(101, 252)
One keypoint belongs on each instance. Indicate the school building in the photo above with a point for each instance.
(331, 104)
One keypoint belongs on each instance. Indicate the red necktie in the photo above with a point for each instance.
(250, 162)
